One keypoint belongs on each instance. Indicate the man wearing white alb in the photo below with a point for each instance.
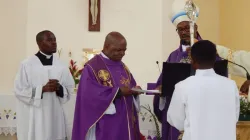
(43, 83)
(205, 106)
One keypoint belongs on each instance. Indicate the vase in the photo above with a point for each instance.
(244, 118)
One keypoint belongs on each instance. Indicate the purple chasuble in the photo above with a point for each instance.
(98, 87)
(169, 132)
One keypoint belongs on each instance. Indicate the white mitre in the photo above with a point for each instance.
(178, 13)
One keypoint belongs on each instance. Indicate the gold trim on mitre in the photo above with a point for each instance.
(230, 54)
(178, 13)
(230, 57)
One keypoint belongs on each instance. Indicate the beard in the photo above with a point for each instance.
(185, 42)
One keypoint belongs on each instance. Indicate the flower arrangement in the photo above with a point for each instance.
(75, 71)
(142, 137)
(151, 117)
(244, 108)
(244, 105)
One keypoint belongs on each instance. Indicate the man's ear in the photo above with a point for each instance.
(105, 47)
(195, 40)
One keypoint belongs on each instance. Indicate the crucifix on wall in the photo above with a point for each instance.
(94, 15)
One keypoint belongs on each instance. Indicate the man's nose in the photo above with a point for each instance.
(54, 42)
(122, 53)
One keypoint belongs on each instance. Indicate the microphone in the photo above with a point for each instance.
(247, 74)
(157, 62)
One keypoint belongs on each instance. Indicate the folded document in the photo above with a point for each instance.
(146, 91)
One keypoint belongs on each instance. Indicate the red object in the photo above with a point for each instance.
(142, 137)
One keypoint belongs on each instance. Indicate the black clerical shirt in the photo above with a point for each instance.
(48, 62)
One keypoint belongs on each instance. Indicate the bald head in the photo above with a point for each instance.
(115, 46)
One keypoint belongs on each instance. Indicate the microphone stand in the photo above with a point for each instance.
(247, 74)
(157, 62)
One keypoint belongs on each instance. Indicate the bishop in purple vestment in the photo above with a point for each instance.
(180, 55)
(106, 108)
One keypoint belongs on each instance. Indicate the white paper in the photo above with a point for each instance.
(146, 91)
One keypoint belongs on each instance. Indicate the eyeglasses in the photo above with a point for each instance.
(185, 29)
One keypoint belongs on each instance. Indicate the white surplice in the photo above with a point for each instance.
(41, 119)
(240, 57)
(206, 106)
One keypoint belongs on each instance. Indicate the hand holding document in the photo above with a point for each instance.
(146, 91)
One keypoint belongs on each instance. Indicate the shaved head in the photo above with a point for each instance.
(113, 38)
(46, 42)
(40, 36)
(115, 46)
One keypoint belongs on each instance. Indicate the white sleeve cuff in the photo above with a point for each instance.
(37, 95)
(137, 103)
(111, 109)
(66, 95)
(162, 103)
(91, 133)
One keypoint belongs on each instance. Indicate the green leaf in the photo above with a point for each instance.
(77, 81)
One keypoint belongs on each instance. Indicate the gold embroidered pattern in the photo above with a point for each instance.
(110, 83)
(125, 81)
(127, 71)
(230, 57)
(181, 135)
(103, 75)
(185, 60)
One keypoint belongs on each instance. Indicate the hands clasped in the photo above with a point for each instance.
(52, 86)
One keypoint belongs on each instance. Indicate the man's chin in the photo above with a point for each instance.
(185, 42)
(53, 51)
(117, 59)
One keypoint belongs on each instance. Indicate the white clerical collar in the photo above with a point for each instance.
(47, 56)
(184, 47)
(103, 55)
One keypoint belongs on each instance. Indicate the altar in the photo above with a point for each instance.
(243, 130)
(8, 116)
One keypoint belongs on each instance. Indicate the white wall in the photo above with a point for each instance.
(12, 36)
(145, 23)
(170, 39)
(139, 21)
(209, 19)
